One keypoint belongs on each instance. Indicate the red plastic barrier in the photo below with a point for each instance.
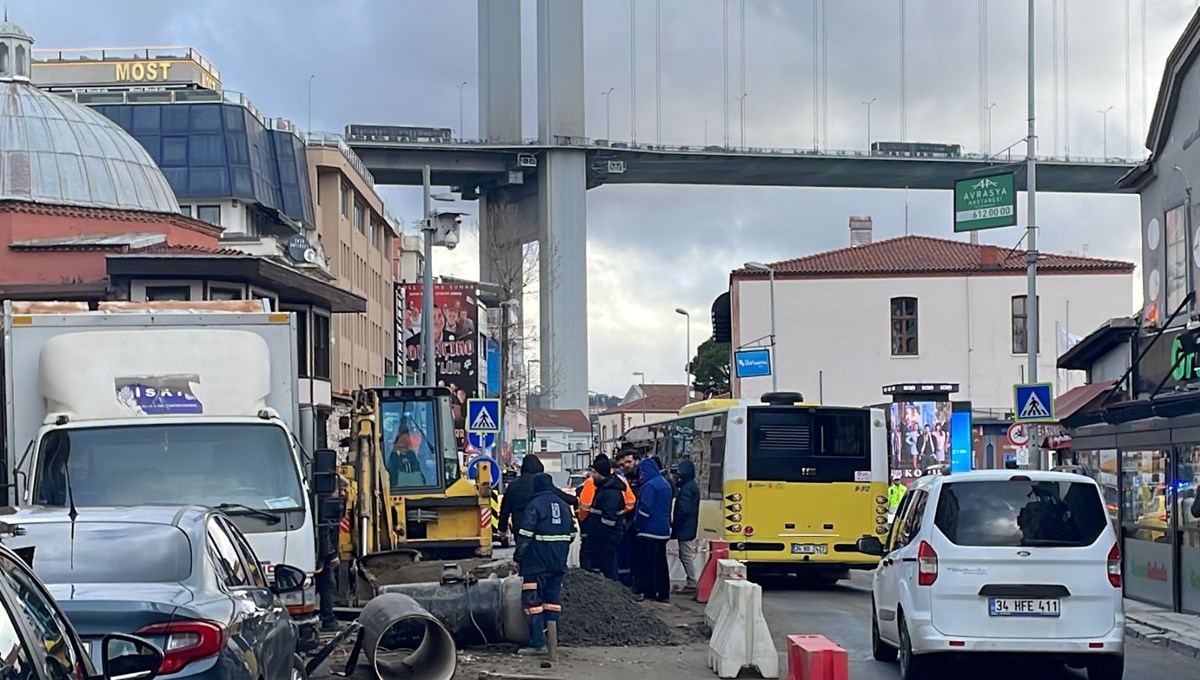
(814, 657)
(718, 550)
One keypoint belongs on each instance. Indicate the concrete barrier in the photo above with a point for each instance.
(573, 553)
(714, 551)
(741, 638)
(814, 657)
(727, 570)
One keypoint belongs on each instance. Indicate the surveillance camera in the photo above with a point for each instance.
(451, 245)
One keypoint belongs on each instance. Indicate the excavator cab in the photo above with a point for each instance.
(409, 506)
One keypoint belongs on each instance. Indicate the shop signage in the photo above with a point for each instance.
(1174, 356)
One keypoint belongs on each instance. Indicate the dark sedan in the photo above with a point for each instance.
(183, 578)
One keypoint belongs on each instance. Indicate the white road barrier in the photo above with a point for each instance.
(727, 570)
(740, 638)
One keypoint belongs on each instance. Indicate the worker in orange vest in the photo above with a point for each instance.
(586, 495)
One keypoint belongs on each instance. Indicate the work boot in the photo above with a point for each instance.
(332, 626)
(532, 651)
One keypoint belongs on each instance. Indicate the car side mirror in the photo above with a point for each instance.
(128, 657)
(288, 579)
(870, 545)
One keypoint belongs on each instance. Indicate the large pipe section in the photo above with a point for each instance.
(403, 641)
(482, 612)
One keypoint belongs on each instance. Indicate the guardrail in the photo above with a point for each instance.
(334, 140)
(93, 54)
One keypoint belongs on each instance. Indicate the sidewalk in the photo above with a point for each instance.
(1180, 632)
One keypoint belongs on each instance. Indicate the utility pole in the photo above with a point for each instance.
(1031, 255)
(428, 355)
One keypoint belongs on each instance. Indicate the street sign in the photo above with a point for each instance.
(1022, 456)
(482, 440)
(1034, 403)
(473, 468)
(1018, 434)
(518, 446)
(483, 415)
(986, 202)
(752, 363)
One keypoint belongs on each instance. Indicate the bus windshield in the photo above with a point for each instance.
(796, 444)
(248, 464)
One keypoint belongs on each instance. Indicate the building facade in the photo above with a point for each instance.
(642, 404)
(562, 439)
(917, 309)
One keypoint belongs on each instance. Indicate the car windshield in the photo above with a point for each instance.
(1008, 513)
(246, 464)
(164, 553)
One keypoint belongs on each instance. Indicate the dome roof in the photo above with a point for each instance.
(55, 151)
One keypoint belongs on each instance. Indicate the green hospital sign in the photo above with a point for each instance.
(985, 202)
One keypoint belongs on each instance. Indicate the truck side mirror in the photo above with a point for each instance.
(325, 479)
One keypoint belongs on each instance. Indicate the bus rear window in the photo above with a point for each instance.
(807, 445)
(1012, 513)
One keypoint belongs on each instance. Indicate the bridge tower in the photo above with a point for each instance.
(553, 212)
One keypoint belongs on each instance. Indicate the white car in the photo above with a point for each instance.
(999, 561)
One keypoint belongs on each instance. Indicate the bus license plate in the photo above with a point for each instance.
(809, 549)
(1004, 606)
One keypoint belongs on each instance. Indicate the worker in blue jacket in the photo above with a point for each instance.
(547, 528)
(652, 527)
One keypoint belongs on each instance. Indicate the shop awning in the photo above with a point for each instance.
(1077, 399)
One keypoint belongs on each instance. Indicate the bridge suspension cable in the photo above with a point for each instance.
(1128, 92)
(903, 74)
(725, 43)
(632, 72)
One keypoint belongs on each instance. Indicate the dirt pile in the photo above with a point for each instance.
(598, 612)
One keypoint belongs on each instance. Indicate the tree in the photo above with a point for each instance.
(710, 368)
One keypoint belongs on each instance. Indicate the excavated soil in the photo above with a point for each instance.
(598, 612)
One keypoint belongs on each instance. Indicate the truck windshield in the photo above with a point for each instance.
(207, 464)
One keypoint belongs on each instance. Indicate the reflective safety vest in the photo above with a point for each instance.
(895, 494)
(589, 492)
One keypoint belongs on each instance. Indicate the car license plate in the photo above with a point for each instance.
(1006, 606)
(809, 549)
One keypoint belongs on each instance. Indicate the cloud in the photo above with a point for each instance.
(655, 248)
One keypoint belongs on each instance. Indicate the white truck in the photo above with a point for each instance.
(162, 403)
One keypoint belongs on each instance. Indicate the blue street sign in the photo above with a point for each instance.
(482, 440)
(483, 415)
(473, 469)
(752, 363)
(1033, 403)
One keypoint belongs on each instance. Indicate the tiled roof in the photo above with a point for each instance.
(925, 255)
(1074, 399)
(108, 214)
(663, 403)
(664, 390)
(571, 420)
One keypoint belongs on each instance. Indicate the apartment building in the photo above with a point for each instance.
(358, 236)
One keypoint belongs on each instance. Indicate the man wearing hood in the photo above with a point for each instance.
(604, 524)
(545, 532)
(520, 492)
(652, 525)
(685, 520)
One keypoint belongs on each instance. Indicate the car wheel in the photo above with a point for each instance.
(1106, 668)
(880, 650)
(298, 671)
(912, 666)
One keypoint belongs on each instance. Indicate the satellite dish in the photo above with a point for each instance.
(297, 247)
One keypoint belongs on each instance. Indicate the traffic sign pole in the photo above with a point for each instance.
(1031, 301)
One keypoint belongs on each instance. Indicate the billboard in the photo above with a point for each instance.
(456, 332)
(920, 437)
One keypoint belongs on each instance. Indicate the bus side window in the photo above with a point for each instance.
(716, 474)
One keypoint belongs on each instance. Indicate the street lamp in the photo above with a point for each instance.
(309, 130)
(1104, 116)
(868, 104)
(687, 356)
(441, 229)
(643, 386)
(987, 126)
(462, 133)
(608, 113)
(758, 266)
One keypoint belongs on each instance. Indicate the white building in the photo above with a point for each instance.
(919, 309)
(562, 439)
(642, 404)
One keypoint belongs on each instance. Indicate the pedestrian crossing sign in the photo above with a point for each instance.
(1033, 403)
(483, 415)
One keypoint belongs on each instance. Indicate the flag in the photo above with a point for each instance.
(1066, 339)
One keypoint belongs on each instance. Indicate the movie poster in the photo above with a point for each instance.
(919, 437)
(456, 333)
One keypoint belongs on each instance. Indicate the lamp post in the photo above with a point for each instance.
(643, 386)
(1104, 117)
(608, 114)
(308, 130)
(462, 133)
(429, 226)
(868, 104)
(687, 356)
(758, 266)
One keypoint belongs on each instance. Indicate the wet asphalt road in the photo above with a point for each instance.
(843, 613)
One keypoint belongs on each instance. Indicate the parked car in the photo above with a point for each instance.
(183, 577)
(44, 646)
(1022, 562)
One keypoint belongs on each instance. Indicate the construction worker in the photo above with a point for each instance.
(895, 494)
(586, 497)
(520, 492)
(604, 525)
(628, 471)
(546, 531)
(652, 524)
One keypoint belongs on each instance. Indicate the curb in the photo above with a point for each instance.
(1162, 638)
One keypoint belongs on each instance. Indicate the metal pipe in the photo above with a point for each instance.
(392, 621)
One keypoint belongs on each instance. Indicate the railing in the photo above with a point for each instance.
(333, 140)
(84, 55)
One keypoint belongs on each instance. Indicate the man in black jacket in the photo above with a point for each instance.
(520, 492)
(685, 521)
(545, 531)
(604, 524)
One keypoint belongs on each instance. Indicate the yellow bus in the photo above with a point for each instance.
(790, 486)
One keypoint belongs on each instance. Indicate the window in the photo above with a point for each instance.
(3, 59)
(1020, 313)
(224, 293)
(358, 217)
(344, 201)
(302, 341)
(1177, 259)
(16, 663)
(21, 61)
(161, 293)
(210, 214)
(376, 230)
(185, 210)
(82, 553)
(1021, 513)
(45, 622)
(246, 553)
(225, 556)
(904, 326)
(320, 344)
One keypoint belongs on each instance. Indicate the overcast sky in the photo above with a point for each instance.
(655, 248)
